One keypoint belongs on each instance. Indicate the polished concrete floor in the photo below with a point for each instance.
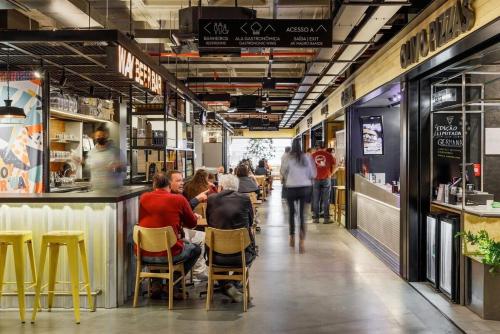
(337, 286)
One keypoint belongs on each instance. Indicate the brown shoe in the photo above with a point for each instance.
(292, 241)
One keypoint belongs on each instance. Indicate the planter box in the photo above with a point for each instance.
(483, 290)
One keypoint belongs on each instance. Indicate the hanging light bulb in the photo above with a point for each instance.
(9, 111)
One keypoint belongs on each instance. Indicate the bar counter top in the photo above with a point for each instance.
(477, 210)
(111, 196)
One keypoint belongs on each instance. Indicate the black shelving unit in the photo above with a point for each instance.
(183, 157)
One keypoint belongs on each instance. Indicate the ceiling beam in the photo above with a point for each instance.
(240, 80)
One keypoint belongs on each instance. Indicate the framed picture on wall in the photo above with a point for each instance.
(372, 131)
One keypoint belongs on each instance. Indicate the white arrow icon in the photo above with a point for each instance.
(269, 27)
(321, 27)
(243, 27)
(205, 27)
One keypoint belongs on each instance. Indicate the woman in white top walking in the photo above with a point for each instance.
(299, 172)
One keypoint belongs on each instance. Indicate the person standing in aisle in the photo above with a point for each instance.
(299, 174)
(325, 163)
(284, 157)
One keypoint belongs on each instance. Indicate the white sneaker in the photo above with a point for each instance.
(235, 294)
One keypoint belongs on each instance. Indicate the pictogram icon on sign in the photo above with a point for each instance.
(269, 27)
(256, 28)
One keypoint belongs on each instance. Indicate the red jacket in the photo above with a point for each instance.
(160, 208)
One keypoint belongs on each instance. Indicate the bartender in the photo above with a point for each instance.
(105, 161)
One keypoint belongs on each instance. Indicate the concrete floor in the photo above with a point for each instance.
(338, 286)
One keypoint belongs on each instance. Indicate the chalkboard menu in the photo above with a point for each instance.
(447, 139)
(447, 136)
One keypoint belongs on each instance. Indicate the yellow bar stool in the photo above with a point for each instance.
(17, 239)
(72, 240)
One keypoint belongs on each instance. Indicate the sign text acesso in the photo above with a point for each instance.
(131, 67)
(455, 21)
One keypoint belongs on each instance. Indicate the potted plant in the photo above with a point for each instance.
(484, 281)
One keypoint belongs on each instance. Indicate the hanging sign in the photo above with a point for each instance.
(347, 95)
(453, 22)
(228, 33)
(131, 67)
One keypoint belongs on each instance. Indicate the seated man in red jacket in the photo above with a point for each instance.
(160, 208)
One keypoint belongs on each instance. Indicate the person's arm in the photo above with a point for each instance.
(188, 218)
(193, 202)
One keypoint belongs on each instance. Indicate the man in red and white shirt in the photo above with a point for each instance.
(325, 164)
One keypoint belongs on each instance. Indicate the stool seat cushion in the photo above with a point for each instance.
(64, 233)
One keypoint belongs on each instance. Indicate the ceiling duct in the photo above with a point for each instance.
(13, 19)
(245, 103)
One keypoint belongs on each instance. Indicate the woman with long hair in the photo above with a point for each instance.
(198, 184)
(299, 172)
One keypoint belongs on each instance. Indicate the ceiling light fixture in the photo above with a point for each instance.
(8, 111)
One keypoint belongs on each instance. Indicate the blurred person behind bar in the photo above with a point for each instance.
(106, 162)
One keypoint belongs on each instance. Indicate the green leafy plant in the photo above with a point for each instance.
(260, 149)
(488, 248)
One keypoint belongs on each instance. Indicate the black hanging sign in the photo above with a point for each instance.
(228, 33)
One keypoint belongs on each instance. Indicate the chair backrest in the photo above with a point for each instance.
(201, 209)
(253, 197)
(227, 241)
(154, 239)
(261, 180)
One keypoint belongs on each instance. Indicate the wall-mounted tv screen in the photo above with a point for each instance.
(372, 135)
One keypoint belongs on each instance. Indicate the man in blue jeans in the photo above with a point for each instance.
(325, 164)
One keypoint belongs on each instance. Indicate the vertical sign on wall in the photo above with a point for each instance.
(21, 144)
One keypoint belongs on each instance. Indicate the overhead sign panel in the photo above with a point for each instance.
(227, 33)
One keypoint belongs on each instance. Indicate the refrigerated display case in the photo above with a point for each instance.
(432, 250)
(449, 253)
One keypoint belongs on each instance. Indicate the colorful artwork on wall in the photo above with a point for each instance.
(21, 142)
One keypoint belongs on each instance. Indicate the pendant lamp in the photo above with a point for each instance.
(9, 111)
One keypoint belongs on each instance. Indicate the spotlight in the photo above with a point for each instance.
(37, 74)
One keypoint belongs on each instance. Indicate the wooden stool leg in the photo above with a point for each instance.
(19, 265)
(53, 259)
(41, 266)
(209, 294)
(3, 256)
(171, 289)
(245, 291)
(137, 283)
(75, 284)
(184, 292)
(86, 275)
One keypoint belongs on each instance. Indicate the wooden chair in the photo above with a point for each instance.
(227, 242)
(201, 209)
(261, 181)
(255, 205)
(157, 240)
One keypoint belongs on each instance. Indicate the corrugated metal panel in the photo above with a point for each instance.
(379, 220)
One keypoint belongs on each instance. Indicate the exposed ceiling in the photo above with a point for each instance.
(303, 76)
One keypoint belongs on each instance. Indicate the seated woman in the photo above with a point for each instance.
(247, 183)
(229, 210)
(161, 208)
(261, 169)
(198, 184)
